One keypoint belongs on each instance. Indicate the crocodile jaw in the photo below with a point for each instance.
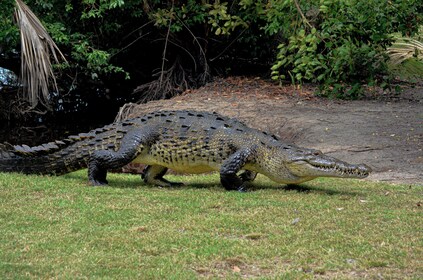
(327, 167)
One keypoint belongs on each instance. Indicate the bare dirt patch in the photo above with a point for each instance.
(384, 132)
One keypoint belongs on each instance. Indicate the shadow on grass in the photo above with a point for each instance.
(250, 188)
(303, 188)
(215, 184)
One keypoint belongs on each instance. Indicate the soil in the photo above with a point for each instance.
(383, 130)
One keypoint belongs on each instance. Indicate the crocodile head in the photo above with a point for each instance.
(300, 165)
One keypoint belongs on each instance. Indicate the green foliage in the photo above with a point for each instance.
(217, 15)
(410, 70)
(97, 9)
(221, 21)
(9, 33)
(338, 44)
(73, 31)
(97, 61)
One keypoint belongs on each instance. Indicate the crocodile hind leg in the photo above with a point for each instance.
(153, 175)
(100, 178)
(248, 176)
(228, 171)
(102, 160)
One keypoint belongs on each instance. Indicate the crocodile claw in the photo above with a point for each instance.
(98, 182)
(243, 188)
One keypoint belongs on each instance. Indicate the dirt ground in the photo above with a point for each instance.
(385, 132)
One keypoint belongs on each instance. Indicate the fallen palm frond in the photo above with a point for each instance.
(37, 47)
(405, 48)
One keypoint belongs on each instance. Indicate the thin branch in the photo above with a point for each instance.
(164, 52)
(182, 48)
(130, 44)
(175, 81)
(206, 66)
(141, 27)
(302, 15)
(134, 41)
(230, 44)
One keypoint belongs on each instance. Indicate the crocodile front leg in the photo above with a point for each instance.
(132, 144)
(153, 175)
(230, 167)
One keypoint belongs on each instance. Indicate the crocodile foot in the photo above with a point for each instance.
(232, 182)
(248, 176)
(97, 176)
(153, 175)
(98, 182)
(162, 182)
(243, 188)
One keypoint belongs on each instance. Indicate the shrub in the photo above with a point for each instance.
(339, 44)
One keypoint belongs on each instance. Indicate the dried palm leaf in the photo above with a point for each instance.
(37, 47)
(405, 48)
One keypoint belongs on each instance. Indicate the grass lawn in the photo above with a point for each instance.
(58, 227)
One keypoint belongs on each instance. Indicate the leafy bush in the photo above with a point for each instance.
(338, 44)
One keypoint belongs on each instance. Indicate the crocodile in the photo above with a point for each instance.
(184, 141)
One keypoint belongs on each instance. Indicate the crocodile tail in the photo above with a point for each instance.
(57, 157)
(24, 160)
(8, 158)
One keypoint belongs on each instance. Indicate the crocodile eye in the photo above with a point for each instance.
(317, 153)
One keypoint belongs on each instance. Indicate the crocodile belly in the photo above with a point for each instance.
(186, 160)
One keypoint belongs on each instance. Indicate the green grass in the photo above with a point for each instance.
(410, 70)
(58, 227)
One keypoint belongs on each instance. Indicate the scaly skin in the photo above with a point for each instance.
(186, 141)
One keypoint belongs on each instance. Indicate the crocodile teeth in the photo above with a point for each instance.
(343, 171)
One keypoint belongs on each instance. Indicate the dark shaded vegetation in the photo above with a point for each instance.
(128, 51)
